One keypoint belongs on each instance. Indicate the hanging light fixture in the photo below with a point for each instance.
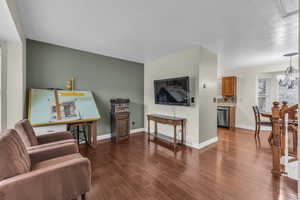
(289, 79)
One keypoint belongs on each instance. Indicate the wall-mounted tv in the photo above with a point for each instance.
(174, 91)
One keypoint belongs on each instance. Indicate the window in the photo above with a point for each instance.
(289, 95)
(263, 94)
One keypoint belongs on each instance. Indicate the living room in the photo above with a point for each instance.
(119, 100)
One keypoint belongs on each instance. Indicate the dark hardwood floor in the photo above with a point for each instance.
(236, 167)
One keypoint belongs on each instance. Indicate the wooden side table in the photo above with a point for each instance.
(164, 119)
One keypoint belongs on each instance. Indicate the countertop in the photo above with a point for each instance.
(227, 104)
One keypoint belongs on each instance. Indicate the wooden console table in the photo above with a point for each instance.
(164, 119)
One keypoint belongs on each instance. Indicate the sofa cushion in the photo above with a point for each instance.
(26, 133)
(14, 159)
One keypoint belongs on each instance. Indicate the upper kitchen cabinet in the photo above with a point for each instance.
(229, 86)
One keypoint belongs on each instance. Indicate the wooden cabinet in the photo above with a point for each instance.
(120, 119)
(229, 86)
(231, 117)
(122, 124)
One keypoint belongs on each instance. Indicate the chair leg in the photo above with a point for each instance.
(78, 135)
(255, 131)
(258, 129)
(83, 196)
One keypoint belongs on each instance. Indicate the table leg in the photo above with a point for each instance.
(182, 132)
(295, 142)
(148, 130)
(155, 130)
(89, 133)
(270, 138)
(92, 134)
(175, 137)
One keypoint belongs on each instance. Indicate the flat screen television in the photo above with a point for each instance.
(174, 91)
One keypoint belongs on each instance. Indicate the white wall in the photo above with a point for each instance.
(246, 90)
(16, 70)
(190, 63)
(15, 83)
(207, 107)
(299, 102)
(3, 86)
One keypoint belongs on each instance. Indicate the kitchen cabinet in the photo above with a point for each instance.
(229, 86)
(232, 117)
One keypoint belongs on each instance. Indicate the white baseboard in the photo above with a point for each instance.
(245, 127)
(138, 130)
(108, 135)
(196, 146)
(203, 144)
(103, 137)
(252, 127)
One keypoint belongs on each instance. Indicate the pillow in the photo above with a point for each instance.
(14, 159)
(26, 133)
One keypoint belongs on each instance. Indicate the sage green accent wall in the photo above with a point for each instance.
(50, 66)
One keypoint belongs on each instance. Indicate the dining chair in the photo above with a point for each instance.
(259, 123)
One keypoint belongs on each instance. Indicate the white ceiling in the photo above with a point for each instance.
(243, 32)
(8, 31)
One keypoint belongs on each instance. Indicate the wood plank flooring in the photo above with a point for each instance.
(235, 168)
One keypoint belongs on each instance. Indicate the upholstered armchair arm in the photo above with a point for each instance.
(51, 151)
(66, 180)
(51, 144)
(53, 137)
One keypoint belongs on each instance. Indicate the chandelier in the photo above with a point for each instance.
(289, 79)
